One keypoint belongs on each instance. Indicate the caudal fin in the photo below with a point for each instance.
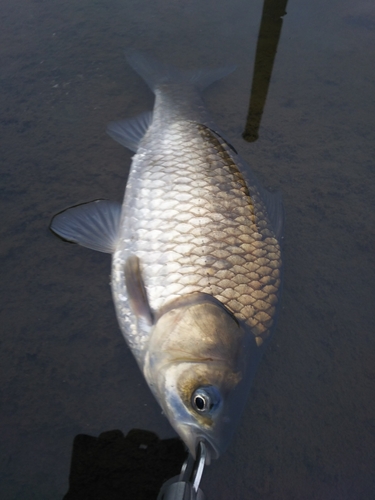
(156, 73)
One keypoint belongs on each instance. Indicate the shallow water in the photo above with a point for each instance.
(309, 429)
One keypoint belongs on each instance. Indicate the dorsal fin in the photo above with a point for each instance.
(272, 200)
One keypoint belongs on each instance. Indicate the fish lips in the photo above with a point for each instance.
(192, 436)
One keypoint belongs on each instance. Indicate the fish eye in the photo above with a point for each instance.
(205, 399)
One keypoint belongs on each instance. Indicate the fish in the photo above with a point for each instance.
(196, 256)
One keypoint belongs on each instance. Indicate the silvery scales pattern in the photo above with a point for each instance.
(197, 238)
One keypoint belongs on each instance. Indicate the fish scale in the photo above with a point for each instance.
(196, 259)
(210, 231)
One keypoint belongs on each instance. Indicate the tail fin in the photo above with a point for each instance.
(155, 73)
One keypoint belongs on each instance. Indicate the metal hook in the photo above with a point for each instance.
(186, 485)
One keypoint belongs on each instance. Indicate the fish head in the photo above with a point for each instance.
(198, 367)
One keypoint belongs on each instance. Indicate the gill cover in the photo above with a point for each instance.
(197, 365)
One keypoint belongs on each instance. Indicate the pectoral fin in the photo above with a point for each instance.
(136, 290)
(93, 225)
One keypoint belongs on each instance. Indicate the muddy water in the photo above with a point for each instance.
(309, 428)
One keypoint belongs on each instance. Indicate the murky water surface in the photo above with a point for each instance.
(309, 429)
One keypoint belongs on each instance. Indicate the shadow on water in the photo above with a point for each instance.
(268, 40)
(116, 467)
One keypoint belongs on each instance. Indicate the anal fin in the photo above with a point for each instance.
(129, 132)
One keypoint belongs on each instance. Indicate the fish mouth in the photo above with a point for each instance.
(212, 453)
(192, 440)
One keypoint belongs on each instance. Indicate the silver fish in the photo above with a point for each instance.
(196, 257)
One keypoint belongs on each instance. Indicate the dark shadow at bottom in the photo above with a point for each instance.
(115, 467)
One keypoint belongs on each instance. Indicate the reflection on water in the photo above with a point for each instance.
(268, 39)
(309, 428)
